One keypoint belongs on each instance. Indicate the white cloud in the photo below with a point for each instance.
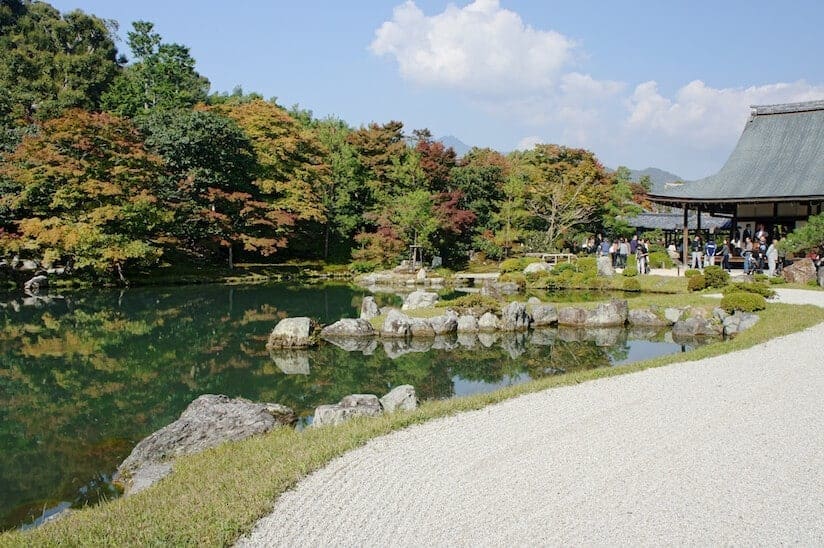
(704, 115)
(480, 48)
(529, 142)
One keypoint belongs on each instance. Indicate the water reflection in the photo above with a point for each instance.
(86, 375)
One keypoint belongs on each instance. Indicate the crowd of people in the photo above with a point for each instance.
(619, 250)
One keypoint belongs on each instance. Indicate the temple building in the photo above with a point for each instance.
(774, 177)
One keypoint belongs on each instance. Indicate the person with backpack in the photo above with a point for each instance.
(709, 252)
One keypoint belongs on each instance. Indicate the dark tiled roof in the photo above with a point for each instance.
(780, 155)
(672, 221)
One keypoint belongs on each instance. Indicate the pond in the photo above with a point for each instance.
(85, 375)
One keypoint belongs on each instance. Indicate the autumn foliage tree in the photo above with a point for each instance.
(83, 191)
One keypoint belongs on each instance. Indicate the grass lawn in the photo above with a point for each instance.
(216, 496)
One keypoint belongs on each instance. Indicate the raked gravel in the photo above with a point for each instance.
(726, 450)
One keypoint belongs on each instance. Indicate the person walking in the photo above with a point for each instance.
(772, 258)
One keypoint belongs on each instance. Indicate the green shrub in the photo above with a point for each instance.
(475, 301)
(514, 277)
(777, 280)
(632, 284)
(632, 267)
(813, 283)
(561, 268)
(759, 288)
(517, 264)
(716, 276)
(759, 277)
(696, 283)
(743, 301)
(587, 265)
(689, 273)
(658, 258)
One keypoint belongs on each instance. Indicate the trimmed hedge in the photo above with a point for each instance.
(517, 264)
(716, 276)
(743, 301)
(689, 273)
(696, 282)
(758, 288)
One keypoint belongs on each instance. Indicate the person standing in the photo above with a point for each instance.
(725, 255)
(623, 252)
(641, 255)
(772, 258)
(709, 252)
(697, 249)
(633, 244)
(747, 251)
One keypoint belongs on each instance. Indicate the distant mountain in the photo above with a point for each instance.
(459, 146)
(658, 177)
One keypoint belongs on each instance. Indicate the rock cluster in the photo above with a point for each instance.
(296, 332)
(401, 398)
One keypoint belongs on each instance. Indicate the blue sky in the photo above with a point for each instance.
(641, 83)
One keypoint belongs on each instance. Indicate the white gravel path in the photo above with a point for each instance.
(727, 450)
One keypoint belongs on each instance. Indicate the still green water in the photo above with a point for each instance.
(84, 376)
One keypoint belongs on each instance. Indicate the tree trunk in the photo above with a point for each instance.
(231, 258)
(326, 243)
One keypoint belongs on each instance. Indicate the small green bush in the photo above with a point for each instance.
(759, 277)
(716, 276)
(514, 277)
(517, 264)
(632, 267)
(696, 283)
(777, 280)
(587, 265)
(658, 258)
(743, 301)
(689, 273)
(561, 268)
(475, 301)
(758, 288)
(632, 284)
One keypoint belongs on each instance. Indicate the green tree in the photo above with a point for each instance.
(162, 78)
(83, 190)
(620, 206)
(49, 63)
(809, 237)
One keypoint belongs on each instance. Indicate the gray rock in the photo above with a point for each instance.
(544, 314)
(419, 299)
(445, 323)
(801, 271)
(534, 268)
(673, 315)
(36, 283)
(369, 308)
(821, 277)
(400, 398)
(572, 316)
(748, 320)
(738, 322)
(421, 328)
(348, 328)
(695, 327)
(604, 264)
(533, 301)
(608, 314)
(292, 333)
(354, 405)
(514, 317)
(645, 317)
(28, 265)
(291, 362)
(396, 324)
(420, 277)
(488, 322)
(467, 324)
(207, 422)
(719, 313)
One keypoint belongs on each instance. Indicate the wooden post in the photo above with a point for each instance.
(686, 237)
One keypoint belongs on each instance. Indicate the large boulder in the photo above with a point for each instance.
(396, 324)
(544, 314)
(369, 308)
(419, 299)
(535, 268)
(672, 315)
(740, 321)
(488, 322)
(801, 271)
(514, 317)
(445, 323)
(467, 323)
(348, 328)
(400, 398)
(420, 277)
(604, 265)
(293, 333)
(644, 317)
(572, 316)
(207, 422)
(354, 405)
(608, 314)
